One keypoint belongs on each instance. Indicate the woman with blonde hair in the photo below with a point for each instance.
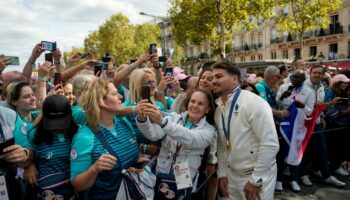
(140, 78)
(93, 166)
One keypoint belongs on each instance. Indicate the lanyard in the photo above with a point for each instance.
(233, 103)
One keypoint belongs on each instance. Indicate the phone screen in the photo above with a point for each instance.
(49, 46)
(162, 58)
(13, 59)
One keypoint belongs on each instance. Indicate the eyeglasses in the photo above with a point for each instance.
(150, 82)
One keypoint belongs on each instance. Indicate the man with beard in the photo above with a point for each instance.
(247, 139)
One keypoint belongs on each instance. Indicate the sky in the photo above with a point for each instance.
(25, 23)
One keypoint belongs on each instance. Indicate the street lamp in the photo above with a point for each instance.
(162, 21)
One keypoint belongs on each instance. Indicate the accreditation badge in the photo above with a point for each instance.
(182, 175)
(3, 189)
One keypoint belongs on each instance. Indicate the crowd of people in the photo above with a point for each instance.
(147, 130)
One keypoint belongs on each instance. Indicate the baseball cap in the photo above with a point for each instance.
(56, 112)
(178, 73)
(341, 78)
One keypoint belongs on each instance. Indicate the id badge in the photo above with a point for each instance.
(3, 189)
(182, 175)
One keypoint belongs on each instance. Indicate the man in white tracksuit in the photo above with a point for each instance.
(247, 139)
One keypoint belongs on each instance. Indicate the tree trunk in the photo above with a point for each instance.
(301, 38)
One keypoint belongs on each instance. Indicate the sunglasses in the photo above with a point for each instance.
(150, 82)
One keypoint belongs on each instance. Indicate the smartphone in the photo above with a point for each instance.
(57, 79)
(98, 68)
(162, 58)
(49, 57)
(152, 48)
(343, 101)
(49, 46)
(6, 144)
(290, 88)
(13, 59)
(106, 58)
(140, 164)
(146, 93)
(168, 71)
(83, 55)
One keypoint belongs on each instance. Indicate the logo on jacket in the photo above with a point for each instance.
(236, 109)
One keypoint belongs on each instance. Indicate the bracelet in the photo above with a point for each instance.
(144, 148)
(42, 79)
(133, 109)
(31, 60)
(164, 123)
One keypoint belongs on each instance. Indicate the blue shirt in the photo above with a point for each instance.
(267, 93)
(86, 149)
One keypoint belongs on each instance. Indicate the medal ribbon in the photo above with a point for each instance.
(233, 103)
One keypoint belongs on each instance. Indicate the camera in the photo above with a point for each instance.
(99, 66)
(146, 93)
(49, 46)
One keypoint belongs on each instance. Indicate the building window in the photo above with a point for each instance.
(252, 58)
(285, 54)
(273, 36)
(333, 51)
(313, 51)
(260, 57)
(297, 53)
(273, 55)
(260, 38)
(252, 40)
(242, 59)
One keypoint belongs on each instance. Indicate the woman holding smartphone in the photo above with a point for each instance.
(184, 137)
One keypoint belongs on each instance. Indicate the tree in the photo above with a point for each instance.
(300, 16)
(212, 20)
(121, 39)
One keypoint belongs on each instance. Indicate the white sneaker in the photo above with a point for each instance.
(279, 186)
(306, 180)
(317, 173)
(334, 181)
(295, 186)
(341, 171)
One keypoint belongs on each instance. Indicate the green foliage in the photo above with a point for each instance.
(121, 39)
(177, 55)
(304, 15)
(200, 20)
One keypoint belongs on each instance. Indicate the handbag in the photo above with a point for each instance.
(129, 188)
(166, 187)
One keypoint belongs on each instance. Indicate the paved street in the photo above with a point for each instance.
(319, 190)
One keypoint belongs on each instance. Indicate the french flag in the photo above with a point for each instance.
(297, 130)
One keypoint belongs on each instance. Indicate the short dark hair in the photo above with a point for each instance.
(317, 66)
(282, 68)
(230, 68)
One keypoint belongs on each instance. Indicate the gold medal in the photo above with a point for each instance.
(228, 144)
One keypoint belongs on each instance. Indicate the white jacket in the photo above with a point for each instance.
(253, 137)
(193, 141)
(304, 94)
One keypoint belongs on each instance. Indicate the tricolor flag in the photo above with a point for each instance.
(297, 130)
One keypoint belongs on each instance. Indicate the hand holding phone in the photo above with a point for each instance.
(6, 144)
(146, 93)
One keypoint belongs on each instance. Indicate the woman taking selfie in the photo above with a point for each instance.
(184, 138)
(93, 166)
